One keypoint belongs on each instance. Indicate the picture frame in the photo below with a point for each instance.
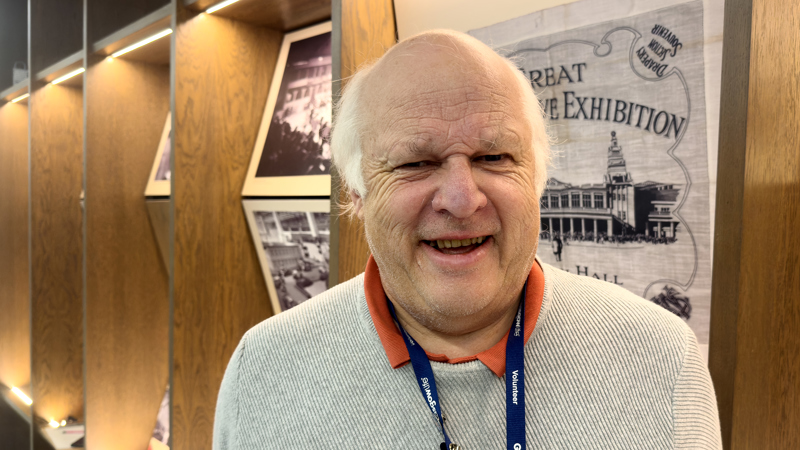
(291, 157)
(292, 239)
(158, 185)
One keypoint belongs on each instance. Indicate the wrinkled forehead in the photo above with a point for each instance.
(442, 78)
(432, 63)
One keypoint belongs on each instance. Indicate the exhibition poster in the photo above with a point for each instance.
(627, 198)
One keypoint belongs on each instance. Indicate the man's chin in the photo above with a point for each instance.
(456, 301)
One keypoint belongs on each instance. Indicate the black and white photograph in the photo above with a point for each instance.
(163, 173)
(292, 144)
(292, 238)
(161, 430)
(627, 200)
(297, 140)
(159, 183)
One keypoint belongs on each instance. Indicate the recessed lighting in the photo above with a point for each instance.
(219, 6)
(69, 75)
(25, 399)
(141, 43)
(20, 98)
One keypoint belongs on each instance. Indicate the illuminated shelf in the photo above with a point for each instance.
(281, 15)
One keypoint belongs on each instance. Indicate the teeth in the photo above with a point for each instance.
(447, 243)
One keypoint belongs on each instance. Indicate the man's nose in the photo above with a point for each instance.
(458, 193)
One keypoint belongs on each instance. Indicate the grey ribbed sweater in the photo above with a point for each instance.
(604, 369)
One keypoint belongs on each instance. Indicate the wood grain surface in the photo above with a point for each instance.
(368, 30)
(281, 15)
(223, 70)
(15, 344)
(127, 290)
(56, 140)
(728, 220)
(157, 52)
(766, 412)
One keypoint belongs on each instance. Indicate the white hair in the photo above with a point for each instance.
(350, 118)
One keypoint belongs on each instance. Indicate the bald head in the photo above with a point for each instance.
(424, 68)
(432, 60)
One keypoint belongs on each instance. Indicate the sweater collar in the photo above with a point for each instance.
(494, 358)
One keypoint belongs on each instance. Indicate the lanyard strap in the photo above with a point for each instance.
(515, 378)
(515, 381)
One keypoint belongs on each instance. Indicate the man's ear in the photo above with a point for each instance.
(358, 204)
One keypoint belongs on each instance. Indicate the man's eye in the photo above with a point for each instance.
(414, 165)
(492, 158)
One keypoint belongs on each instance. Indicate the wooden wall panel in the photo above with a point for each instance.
(728, 220)
(56, 252)
(767, 405)
(127, 289)
(223, 70)
(368, 30)
(15, 345)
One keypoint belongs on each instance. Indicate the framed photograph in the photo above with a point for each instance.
(292, 238)
(160, 437)
(292, 156)
(158, 183)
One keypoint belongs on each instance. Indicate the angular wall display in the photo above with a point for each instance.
(626, 94)
(292, 156)
(158, 212)
(158, 183)
(160, 437)
(292, 238)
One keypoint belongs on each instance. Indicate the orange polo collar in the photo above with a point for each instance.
(494, 358)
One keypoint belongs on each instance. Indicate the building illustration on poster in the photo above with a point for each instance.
(627, 199)
(616, 210)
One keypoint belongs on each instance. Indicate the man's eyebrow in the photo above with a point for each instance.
(410, 147)
(489, 144)
(418, 147)
(421, 147)
(500, 138)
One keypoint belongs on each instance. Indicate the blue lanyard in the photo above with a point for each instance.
(515, 379)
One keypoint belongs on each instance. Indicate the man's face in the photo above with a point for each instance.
(450, 213)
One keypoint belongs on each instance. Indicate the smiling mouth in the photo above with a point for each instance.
(457, 246)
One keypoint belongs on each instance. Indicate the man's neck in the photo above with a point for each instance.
(458, 342)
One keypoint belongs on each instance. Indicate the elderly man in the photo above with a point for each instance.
(455, 336)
